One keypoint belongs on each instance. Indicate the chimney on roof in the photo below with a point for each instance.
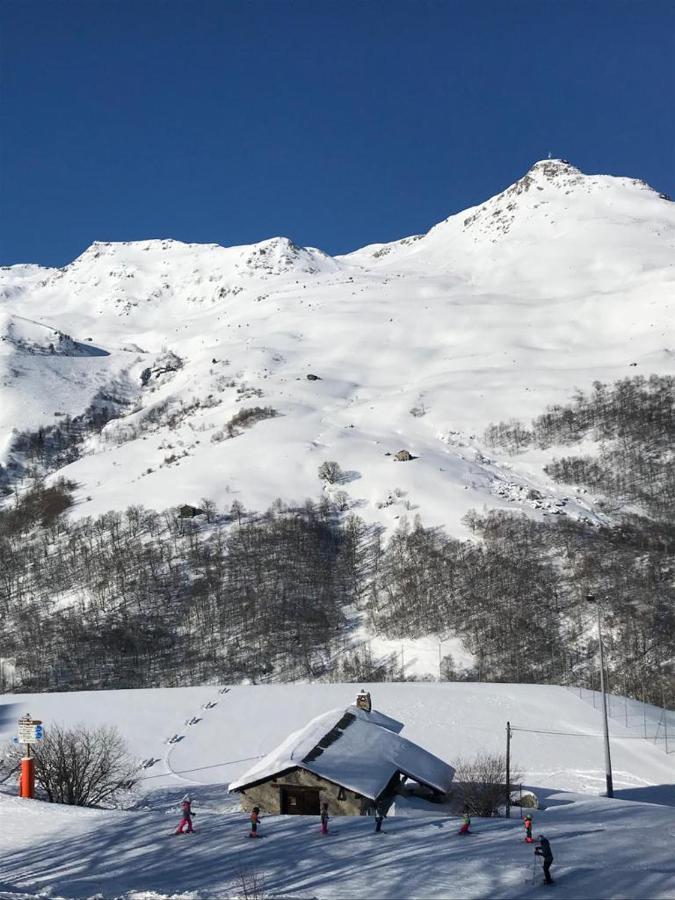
(363, 700)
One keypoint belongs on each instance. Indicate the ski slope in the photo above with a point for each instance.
(603, 848)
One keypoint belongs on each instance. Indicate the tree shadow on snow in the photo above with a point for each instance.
(572, 834)
(115, 853)
(8, 716)
(661, 794)
(548, 797)
(349, 476)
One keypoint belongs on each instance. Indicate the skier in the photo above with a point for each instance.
(186, 810)
(379, 819)
(528, 829)
(255, 820)
(466, 822)
(324, 818)
(544, 850)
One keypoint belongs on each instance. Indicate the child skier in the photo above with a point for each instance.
(255, 820)
(466, 822)
(324, 818)
(528, 829)
(544, 850)
(186, 810)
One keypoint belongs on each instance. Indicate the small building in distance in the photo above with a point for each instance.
(354, 759)
(189, 512)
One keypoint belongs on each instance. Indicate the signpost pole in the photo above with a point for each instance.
(30, 731)
(27, 782)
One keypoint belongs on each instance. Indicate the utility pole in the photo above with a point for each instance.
(508, 770)
(665, 715)
(608, 760)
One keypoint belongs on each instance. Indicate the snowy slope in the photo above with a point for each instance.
(451, 720)
(561, 279)
(602, 848)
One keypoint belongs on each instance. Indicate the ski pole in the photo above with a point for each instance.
(534, 869)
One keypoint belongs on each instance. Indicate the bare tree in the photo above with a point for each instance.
(330, 471)
(250, 885)
(341, 501)
(481, 782)
(209, 508)
(82, 766)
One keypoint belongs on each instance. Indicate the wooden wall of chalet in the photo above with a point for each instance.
(268, 794)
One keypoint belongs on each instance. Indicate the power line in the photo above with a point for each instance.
(630, 737)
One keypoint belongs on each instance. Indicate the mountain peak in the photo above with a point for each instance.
(551, 169)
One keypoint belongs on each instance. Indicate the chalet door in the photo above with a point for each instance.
(297, 801)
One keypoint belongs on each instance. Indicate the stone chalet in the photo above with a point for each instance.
(354, 759)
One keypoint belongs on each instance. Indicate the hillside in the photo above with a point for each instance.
(495, 313)
(264, 463)
(603, 848)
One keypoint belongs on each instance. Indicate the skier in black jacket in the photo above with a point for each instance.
(544, 850)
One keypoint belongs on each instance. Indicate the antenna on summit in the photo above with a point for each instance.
(549, 154)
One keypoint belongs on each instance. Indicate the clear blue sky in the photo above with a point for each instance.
(334, 122)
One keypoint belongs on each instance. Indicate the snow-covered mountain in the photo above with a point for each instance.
(419, 344)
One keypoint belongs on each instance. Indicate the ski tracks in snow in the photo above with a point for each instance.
(178, 737)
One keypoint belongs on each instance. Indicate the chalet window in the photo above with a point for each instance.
(341, 794)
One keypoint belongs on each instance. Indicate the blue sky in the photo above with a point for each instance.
(334, 123)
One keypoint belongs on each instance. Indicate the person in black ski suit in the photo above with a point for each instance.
(379, 817)
(324, 818)
(544, 850)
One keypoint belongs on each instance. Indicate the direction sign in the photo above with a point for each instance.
(31, 731)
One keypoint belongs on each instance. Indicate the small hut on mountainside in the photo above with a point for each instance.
(352, 758)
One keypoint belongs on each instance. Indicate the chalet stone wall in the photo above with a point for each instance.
(268, 796)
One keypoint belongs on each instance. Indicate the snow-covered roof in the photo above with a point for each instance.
(356, 749)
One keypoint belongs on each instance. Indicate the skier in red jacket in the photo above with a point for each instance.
(466, 822)
(186, 809)
(528, 829)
